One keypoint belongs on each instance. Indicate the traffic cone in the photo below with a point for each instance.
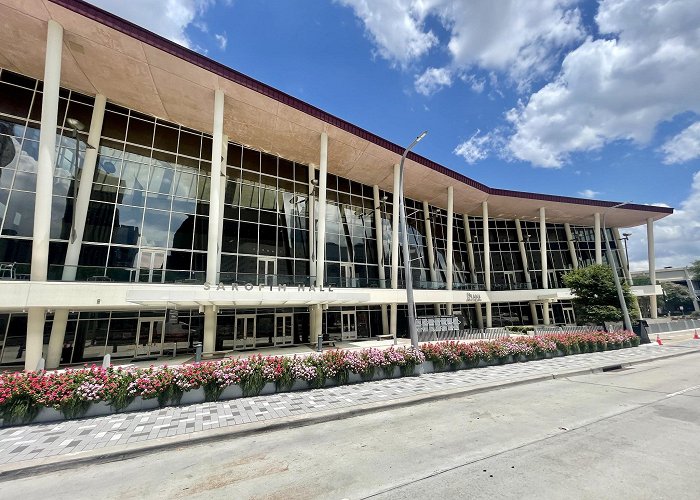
(658, 340)
(696, 337)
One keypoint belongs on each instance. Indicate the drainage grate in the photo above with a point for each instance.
(612, 368)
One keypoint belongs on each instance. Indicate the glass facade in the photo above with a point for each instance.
(148, 217)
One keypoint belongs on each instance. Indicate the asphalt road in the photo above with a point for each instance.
(632, 433)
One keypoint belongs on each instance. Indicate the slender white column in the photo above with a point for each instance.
(395, 246)
(430, 247)
(652, 266)
(83, 198)
(570, 242)
(210, 317)
(523, 253)
(321, 229)
(58, 333)
(533, 312)
(379, 235)
(311, 209)
(487, 258)
(47, 153)
(35, 338)
(449, 251)
(543, 258)
(222, 198)
(44, 187)
(623, 256)
(597, 239)
(472, 267)
(213, 249)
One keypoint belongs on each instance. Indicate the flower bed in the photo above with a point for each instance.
(73, 392)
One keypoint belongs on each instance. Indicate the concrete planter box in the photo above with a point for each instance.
(47, 415)
(231, 392)
(268, 388)
(99, 409)
(193, 396)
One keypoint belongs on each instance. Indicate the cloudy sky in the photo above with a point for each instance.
(580, 98)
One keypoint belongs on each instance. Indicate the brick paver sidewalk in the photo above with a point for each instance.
(38, 441)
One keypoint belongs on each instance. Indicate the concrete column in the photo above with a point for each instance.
(395, 246)
(379, 235)
(449, 251)
(472, 267)
(691, 288)
(622, 254)
(570, 243)
(430, 248)
(222, 197)
(652, 266)
(47, 153)
(487, 258)
(210, 313)
(533, 312)
(82, 200)
(213, 249)
(311, 204)
(543, 258)
(597, 239)
(35, 338)
(523, 253)
(58, 333)
(44, 187)
(321, 229)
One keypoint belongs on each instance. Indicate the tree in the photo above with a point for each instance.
(595, 295)
(674, 297)
(694, 269)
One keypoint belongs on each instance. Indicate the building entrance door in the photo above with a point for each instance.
(151, 266)
(348, 325)
(347, 275)
(284, 329)
(149, 336)
(267, 271)
(244, 337)
(569, 316)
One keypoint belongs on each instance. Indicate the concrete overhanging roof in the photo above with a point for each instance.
(136, 68)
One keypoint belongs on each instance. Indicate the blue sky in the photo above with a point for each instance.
(587, 99)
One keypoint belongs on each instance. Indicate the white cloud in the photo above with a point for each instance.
(684, 146)
(167, 18)
(433, 80)
(478, 147)
(676, 237)
(589, 193)
(395, 27)
(222, 40)
(646, 71)
(521, 38)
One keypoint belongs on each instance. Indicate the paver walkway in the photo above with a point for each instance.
(38, 441)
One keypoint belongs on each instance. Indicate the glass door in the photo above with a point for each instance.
(347, 275)
(349, 325)
(267, 271)
(149, 337)
(569, 316)
(151, 266)
(245, 332)
(284, 329)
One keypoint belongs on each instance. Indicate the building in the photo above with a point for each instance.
(122, 241)
(677, 275)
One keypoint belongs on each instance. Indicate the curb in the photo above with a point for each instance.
(133, 450)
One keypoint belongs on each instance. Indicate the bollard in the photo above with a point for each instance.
(319, 343)
(106, 361)
(197, 352)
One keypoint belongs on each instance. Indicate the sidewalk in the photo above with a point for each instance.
(34, 448)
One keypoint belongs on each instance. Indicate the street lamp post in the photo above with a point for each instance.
(616, 278)
(625, 237)
(404, 244)
(77, 126)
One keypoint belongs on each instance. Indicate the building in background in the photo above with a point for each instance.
(205, 205)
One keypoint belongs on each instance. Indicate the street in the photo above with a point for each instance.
(629, 433)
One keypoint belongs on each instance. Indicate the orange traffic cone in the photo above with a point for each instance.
(658, 340)
(696, 337)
